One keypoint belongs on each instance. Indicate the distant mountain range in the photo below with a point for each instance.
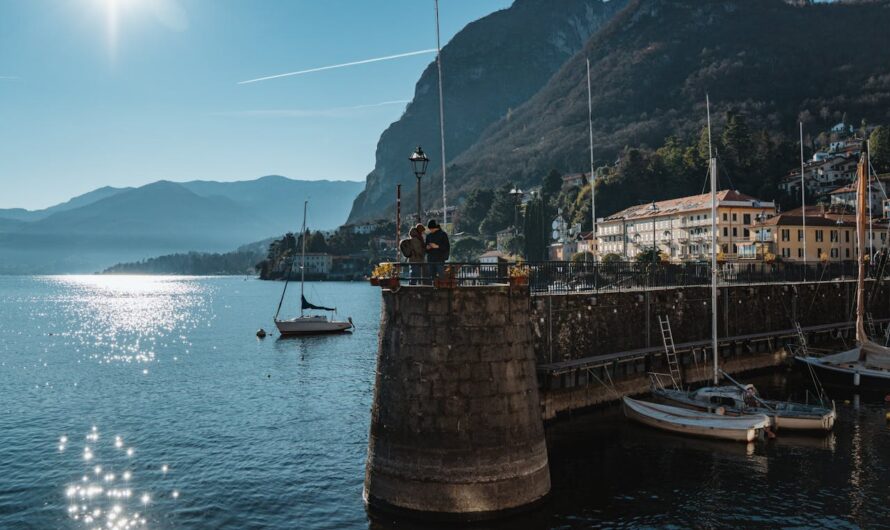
(111, 225)
(652, 62)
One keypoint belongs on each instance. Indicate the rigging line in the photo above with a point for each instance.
(728, 176)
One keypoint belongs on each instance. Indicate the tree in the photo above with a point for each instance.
(579, 257)
(475, 208)
(316, 243)
(515, 245)
(534, 230)
(552, 184)
(611, 258)
(467, 248)
(502, 212)
(879, 143)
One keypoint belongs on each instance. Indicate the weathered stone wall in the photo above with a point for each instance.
(456, 426)
(572, 326)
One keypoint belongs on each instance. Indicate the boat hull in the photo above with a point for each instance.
(311, 326)
(853, 378)
(706, 425)
(791, 420)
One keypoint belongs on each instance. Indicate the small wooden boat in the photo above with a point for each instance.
(739, 400)
(744, 428)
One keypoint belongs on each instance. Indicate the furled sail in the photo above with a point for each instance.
(870, 352)
(308, 305)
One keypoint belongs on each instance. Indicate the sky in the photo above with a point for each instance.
(125, 92)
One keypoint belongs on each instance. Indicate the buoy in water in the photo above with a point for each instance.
(261, 333)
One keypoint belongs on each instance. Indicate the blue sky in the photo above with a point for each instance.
(126, 92)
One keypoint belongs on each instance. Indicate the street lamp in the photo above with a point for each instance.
(419, 162)
(517, 196)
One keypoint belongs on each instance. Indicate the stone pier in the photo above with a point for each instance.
(456, 428)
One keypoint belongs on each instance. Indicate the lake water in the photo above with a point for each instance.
(150, 401)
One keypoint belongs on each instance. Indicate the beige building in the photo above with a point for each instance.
(830, 235)
(681, 228)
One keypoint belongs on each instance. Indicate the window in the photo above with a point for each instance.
(846, 236)
(735, 232)
(735, 217)
(725, 248)
(786, 234)
(746, 219)
(786, 252)
(800, 253)
(746, 233)
(820, 236)
(819, 253)
(800, 235)
(725, 216)
(725, 231)
(735, 249)
(847, 252)
(833, 235)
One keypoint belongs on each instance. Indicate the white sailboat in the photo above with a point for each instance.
(308, 323)
(710, 421)
(738, 399)
(745, 428)
(867, 366)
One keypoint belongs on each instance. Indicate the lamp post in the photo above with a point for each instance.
(419, 162)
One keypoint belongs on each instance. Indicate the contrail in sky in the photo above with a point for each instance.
(354, 63)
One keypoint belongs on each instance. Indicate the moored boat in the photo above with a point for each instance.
(739, 400)
(308, 324)
(746, 428)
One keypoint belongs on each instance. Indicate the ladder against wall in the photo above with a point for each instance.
(667, 338)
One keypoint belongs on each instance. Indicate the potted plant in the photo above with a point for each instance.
(385, 275)
(518, 275)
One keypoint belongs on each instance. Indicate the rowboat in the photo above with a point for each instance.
(745, 428)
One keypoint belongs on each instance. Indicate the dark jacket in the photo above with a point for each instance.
(417, 246)
(440, 254)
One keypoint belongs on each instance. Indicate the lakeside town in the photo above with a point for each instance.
(509, 225)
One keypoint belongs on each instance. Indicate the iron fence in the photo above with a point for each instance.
(587, 276)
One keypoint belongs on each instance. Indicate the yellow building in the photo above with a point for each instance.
(830, 235)
(681, 228)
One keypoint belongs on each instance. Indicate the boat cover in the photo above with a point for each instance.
(309, 305)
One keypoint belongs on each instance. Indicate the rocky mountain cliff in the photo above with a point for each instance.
(774, 62)
(491, 67)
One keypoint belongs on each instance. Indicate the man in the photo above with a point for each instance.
(438, 249)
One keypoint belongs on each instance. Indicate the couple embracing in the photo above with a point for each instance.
(427, 244)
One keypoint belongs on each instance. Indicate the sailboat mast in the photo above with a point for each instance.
(713, 171)
(593, 239)
(441, 122)
(803, 204)
(303, 259)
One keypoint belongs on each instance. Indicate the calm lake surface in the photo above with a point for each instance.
(150, 400)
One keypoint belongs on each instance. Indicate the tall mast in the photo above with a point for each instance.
(593, 239)
(803, 205)
(441, 122)
(871, 212)
(713, 170)
(303, 261)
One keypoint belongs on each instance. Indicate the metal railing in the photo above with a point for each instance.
(587, 276)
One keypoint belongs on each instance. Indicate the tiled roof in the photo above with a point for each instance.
(683, 204)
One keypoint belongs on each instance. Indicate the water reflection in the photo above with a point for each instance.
(107, 494)
(126, 319)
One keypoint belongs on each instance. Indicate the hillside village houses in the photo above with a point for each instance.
(681, 228)
(830, 235)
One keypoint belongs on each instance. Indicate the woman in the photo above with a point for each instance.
(417, 253)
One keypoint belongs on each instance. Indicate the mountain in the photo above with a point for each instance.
(20, 214)
(167, 217)
(490, 67)
(653, 64)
